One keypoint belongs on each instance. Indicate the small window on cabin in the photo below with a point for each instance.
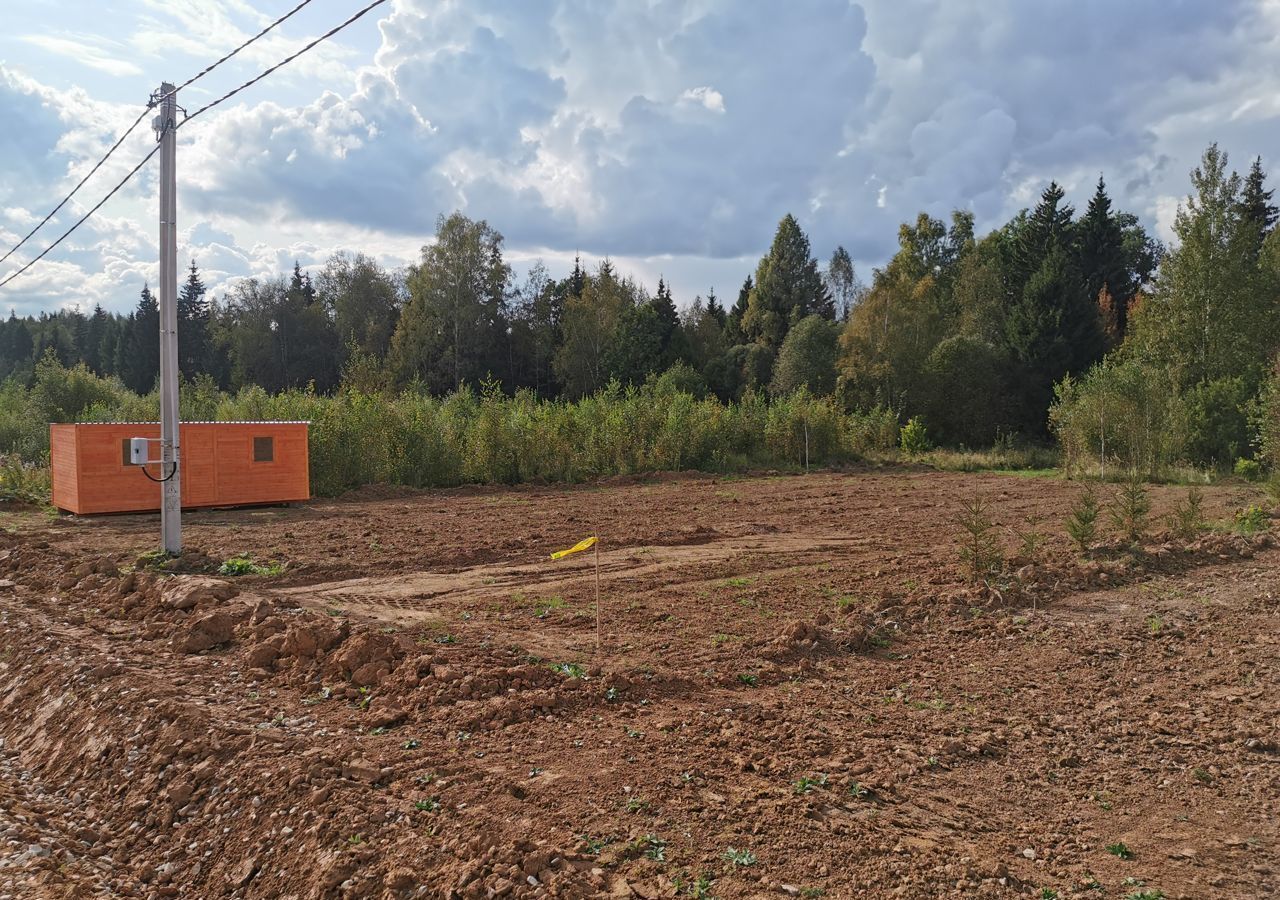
(264, 449)
(126, 452)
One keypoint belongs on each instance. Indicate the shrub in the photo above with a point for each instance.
(1187, 519)
(1119, 414)
(965, 391)
(1082, 523)
(1131, 509)
(979, 550)
(23, 482)
(914, 437)
(1248, 469)
(1250, 520)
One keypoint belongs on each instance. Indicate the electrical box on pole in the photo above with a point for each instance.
(166, 125)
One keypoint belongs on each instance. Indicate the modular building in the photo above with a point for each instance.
(223, 464)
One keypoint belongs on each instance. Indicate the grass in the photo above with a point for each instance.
(541, 608)
(244, 565)
(748, 679)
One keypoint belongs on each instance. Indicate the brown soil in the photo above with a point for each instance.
(797, 695)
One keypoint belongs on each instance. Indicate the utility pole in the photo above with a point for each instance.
(166, 125)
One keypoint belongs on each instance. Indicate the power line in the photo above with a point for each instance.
(284, 62)
(65, 199)
(128, 131)
(66, 234)
(205, 71)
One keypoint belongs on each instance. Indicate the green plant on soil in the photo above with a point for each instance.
(858, 792)
(740, 857)
(1082, 522)
(1155, 624)
(594, 845)
(1120, 850)
(1145, 895)
(635, 804)
(542, 608)
(1250, 520)
(1048, 893)
(806, 784)
(651, 847)
(1132, 506)
(244, 565)
(569, 669)
(699, 888)
(1030, 538)
(979, 550)
(748, 679)
(1187, 519)
(431, 804)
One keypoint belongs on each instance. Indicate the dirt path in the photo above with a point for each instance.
(798, 697)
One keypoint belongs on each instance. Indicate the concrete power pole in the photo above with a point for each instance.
(166, 124)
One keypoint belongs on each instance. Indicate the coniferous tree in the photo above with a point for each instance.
(1102, 258)
(1258, 212)
(715, 308)
(194, 350)
(788, 287)
(95, 328)
(142, 363)
(733, 322)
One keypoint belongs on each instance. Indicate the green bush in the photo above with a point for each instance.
(23, 482)
(419, 440)
(914, 438)
(1248, 469)
(1119, 415)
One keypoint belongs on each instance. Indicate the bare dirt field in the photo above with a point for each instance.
(797, 695)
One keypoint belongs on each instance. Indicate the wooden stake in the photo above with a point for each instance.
(597, 596)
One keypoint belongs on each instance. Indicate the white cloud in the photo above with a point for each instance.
(671, 134)
(84, 50)
(708, 97)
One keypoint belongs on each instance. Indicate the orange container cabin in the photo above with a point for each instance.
(223, 464)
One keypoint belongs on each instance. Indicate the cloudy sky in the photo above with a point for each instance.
(670, 135)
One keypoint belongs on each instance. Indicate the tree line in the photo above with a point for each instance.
(1021, 333)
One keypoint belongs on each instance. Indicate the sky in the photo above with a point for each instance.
(668, 135)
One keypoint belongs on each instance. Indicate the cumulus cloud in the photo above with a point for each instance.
(674, 133)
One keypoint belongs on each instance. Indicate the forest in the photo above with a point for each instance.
(1067, 329)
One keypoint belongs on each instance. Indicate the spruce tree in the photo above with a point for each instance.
(92, 350)
(193, 326)
(1256, 208)
(142, 365)
(715, 308)
(733, 322)
(788, 288)
(1103, 264)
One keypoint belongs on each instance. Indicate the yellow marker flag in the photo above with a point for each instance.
(583, 544)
